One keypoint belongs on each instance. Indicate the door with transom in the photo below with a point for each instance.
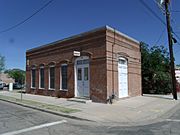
(82, 75)
(123, 77)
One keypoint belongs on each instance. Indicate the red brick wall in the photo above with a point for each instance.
(123, 47)
(98, 46)
(92, 45)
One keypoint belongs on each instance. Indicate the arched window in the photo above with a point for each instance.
(41, 76)
(52, 76)
(33, 76)
(63, 76)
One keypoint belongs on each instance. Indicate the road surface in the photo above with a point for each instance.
(19, 120)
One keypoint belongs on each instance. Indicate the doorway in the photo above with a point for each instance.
(123, 77)
(82, 76)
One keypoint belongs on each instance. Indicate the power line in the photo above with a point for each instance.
(177, 37)
(160, 6)
(177, 42)
(154, 13)
(175, 11)
(160, 36)
(25, 20)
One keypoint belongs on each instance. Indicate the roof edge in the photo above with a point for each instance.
(68, 38)
(122, 34)
(106, 27)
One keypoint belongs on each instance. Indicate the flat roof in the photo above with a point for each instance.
(83, 34)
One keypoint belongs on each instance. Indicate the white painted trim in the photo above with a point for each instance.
(75, 79)
(51, 66)
(51, 89)
(39, 78)
(31, 78)
(49, 77)
(42, 67)
(63, 89)
(60, 83)
(64, 64)
(42, 88)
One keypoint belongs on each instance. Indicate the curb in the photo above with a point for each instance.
(47, 111)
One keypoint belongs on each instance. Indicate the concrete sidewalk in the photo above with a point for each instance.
(130, 111)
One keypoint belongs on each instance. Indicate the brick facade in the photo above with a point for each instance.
(100, 45)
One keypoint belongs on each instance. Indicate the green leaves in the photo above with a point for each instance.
(155, 69)
(17, 74)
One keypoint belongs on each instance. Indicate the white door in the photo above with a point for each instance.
(82, 75)
(123, 77)
(86, 80)
(79, 81)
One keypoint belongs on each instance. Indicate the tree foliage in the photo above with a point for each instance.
(178, 65)
(155, 69)
(2, 63)
(17, 74)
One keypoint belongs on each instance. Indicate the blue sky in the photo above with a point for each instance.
(64, 18)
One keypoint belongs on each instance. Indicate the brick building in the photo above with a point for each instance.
(94, 64)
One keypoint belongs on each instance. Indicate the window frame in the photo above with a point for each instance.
(33, 87)
(61, 77)
(50, 79)
(42, 67)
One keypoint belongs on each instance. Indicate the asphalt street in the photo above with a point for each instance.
(19, 120)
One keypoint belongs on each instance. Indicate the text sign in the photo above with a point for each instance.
(76, 53)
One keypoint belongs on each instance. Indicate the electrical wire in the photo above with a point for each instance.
(150, 10)
(160, 36)
(25, 20)
(146, 6)
(160, 6)
(175, 11)
(177, 37)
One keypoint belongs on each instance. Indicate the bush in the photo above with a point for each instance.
(155, 70)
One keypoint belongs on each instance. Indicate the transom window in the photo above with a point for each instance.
(81, 62)
(122, 61)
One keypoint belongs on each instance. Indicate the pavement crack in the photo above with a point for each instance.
(49, 132)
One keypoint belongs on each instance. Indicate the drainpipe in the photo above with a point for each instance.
(113, 66)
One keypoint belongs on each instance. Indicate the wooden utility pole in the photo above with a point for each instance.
(174, 92)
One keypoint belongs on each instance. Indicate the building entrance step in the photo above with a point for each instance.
(84, 100)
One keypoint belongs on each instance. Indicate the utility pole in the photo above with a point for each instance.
(174, 92)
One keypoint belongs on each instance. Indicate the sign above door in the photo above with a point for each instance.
(76, 53)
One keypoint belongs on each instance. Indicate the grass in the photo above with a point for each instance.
(40, 105)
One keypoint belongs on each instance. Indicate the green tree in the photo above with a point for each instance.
(2, 63)
(17, 74)
(155, 69)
